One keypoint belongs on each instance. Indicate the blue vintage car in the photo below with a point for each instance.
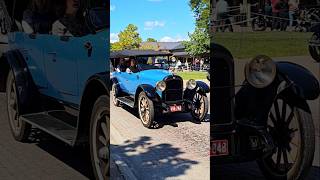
(153, 90)
(58, 82)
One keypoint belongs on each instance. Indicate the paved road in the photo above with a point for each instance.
(178, 149)
(250, 170)
(43, 157)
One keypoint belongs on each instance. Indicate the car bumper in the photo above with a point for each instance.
(239, 145)
(186, 106)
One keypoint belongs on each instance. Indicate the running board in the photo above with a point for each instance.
(52, 126)
(127, 101)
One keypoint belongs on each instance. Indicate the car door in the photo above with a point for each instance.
(91, 55)
(32, 52)
(123, 81)
(61, 68)
(132, 81)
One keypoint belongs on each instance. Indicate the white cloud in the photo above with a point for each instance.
(149, 25)
(114, 37)
(112, 7)
(173, 39)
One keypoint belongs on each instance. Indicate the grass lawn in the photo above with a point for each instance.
(192, 75)
(273, 44)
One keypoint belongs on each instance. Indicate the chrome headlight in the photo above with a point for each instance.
(161, 86)
(191, 84)
(260, 71)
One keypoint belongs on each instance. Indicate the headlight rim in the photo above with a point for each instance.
(188, 84)
(157, 85)
(273, 75)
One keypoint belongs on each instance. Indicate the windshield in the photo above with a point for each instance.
(143, 67)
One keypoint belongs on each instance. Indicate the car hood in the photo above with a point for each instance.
(154, 75)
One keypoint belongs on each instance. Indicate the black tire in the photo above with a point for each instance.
(115, 101)
(201, 104)
(19, 129)
(284, 135)
(100, 138)
(146, 110)
(313, 50)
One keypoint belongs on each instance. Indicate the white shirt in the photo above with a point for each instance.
(222, 6)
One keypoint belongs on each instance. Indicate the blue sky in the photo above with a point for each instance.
(164, 20)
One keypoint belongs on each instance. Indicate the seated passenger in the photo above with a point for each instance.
(72, 23)
(39, 16)
(133, 66)
(121, 67)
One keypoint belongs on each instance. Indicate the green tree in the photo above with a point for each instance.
(199, 43)
(151, 40)
(129, 38)
(116, 46)
(201, 9)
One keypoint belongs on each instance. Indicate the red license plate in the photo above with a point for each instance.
(219, 148)
(175, 108)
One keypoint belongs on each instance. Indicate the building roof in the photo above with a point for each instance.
(137, 53)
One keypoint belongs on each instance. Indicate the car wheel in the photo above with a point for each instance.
(146, 110)
(99, 138)
(315, 50)
(292, 131)
(201, 103)
(19, 129)
(115, 101)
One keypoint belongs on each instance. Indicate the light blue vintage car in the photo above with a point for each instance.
(153, 90)
(58, 83)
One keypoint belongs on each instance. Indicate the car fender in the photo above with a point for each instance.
(28, 94)
(96, 86)
(149, 90)
(114, 81)
(293, 82)
(201, 88)
(305, 84)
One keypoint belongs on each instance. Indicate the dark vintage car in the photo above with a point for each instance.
(58, 83)
(153, 90)
(268, 120)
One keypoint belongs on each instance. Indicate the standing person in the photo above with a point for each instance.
(275, 14)
(283, 14)
(293, 7)
(268, 8)
(201, 64)
(222, 13)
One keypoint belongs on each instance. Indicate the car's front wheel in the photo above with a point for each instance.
(146, 110)
(19, 129)
(292, 131)
(201, 106)
(99, 138)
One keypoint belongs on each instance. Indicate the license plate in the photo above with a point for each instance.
(175, 108)
(219, 148)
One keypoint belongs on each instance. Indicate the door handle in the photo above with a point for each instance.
(88, 47)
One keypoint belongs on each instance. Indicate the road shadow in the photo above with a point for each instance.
(78, 158)
(148, 161)
(249, 171)
(168, 119)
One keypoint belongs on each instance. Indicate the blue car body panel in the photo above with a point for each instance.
(129, 82)
(60, 68)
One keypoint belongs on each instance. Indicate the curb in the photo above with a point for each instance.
(123, 167)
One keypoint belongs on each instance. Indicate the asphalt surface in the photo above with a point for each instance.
(250, 171)
(177, 149)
